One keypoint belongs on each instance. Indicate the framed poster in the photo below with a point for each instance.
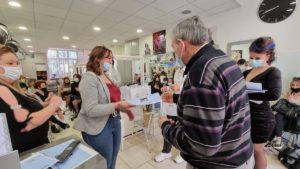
(159, 42)
(236, 55)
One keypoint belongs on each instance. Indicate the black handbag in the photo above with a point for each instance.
(284, 106)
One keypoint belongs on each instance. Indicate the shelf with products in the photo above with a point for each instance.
(165, 63)
(41, 75)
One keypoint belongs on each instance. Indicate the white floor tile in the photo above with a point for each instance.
(120, 164)
(136, 156)
(146, 166)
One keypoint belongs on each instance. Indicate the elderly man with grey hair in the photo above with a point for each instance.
(213, 128)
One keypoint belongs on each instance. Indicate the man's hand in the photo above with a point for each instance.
(163, 119)
(175, 87)
(167, 97)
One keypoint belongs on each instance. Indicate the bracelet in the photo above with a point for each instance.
(119, 105)
(15, 107)
(52, 105)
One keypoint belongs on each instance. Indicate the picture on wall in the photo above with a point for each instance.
(159, 42)
(236, 55)
(147, 49)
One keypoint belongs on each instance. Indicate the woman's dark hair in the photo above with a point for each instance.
(38, 83)
(99, 52)
(241, 61)
(264, 45)
(154, 80)
(78, 76)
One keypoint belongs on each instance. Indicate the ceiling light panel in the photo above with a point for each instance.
(123, 6)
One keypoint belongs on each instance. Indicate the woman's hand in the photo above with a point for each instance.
(130, 114)
(167, 97)
(156, 86)
(124, 105)
(175, 87)
(32, 95)
(76, 88)
(163, 89)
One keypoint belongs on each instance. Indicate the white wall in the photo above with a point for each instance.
(245, 48)
(243, 24)
(31, 65)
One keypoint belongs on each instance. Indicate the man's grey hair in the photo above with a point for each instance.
(192, 30)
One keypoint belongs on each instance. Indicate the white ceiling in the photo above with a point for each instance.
(47, 21)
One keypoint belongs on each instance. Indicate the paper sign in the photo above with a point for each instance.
(146, 100)
(38, 161)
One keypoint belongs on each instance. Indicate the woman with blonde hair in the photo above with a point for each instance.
(293, 96)
(99, 117)
(26, 118)
(31, 88)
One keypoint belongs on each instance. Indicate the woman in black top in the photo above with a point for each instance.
(156, 86)
(26, 118)
(262, 117)
(76, 98)
(45, 96)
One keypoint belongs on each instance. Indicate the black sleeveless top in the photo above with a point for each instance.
(23, 141)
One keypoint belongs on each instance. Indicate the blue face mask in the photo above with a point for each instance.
(169, 84)
(76, 79)
(106, 66)
(256, 63)
(179, 61)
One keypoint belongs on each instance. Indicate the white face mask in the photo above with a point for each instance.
(12, 73)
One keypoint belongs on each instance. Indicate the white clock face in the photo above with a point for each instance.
(273, 11)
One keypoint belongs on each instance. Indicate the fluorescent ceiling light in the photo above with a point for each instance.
(293, 3)
(22, 27)
(26, 39)
(96, 28)
(14, 4)
(31, 51)
(73, 46)
(289, 10)
(29, 46)
(115, 40)
(139, 30)
(65, 37)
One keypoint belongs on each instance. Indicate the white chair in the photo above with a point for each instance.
(152, 122)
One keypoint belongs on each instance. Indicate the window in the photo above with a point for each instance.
(60, 62)
(63, 54)
(52, 54)
(72, 55)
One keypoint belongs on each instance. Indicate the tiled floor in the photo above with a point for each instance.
(136, 155)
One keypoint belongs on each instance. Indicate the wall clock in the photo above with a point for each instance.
(273, 11)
